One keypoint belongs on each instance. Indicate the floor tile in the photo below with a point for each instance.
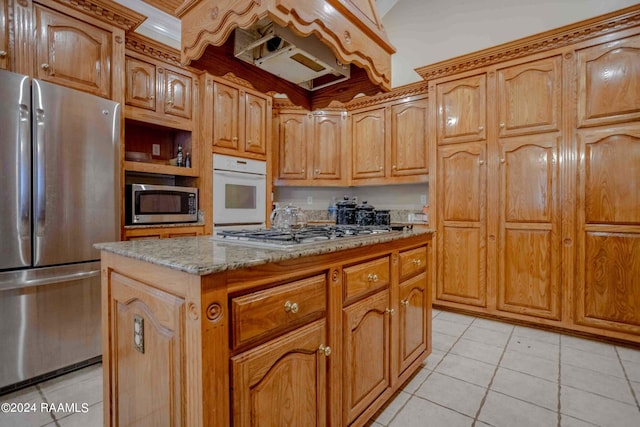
(502, 410)
(567, 421)
(447, 391)
(596, 382)
(385, 416)
(632, 369)
(584, 359)
(420, 413)
(591, 346)
(448, 327)
(456, 317)
(442, 342)
(487, 336)
(82, 388)
(598, 410)
(537, 334)
(434, 358)
(416, 381)
(532, 365)
(92, 418)
(435, 312)
(526, 387)
(469, 370)
(494, 325)
(533, 347)
(478, 351)
(30, 413)
(630, 354)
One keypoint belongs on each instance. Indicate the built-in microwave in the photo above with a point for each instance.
(160, 204)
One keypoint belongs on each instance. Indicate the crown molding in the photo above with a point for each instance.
(107, 11)
(412, 89)
(149, 47)
(549, 40)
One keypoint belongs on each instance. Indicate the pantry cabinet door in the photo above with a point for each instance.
(409, 147)
(368, 144)
(141, 84)
(462, 110)
(412, 316)
(608, 240)
(461, 203)
(529, 230)
(72, 53)
(529, 97)
(226, 104)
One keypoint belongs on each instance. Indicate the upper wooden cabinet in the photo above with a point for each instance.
(72, 53)
(4, 37)
(311, 148)
(240, 119)
(389, 143)
(608, 86)
(461, 110)
(158, 92)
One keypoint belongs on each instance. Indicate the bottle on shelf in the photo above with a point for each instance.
(187, 161)
(333, 210)
(179, 157)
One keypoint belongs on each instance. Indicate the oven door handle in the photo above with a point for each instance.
(245, 175)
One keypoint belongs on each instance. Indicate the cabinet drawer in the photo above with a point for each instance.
(363, 278)
(413, 262)
(262, 313)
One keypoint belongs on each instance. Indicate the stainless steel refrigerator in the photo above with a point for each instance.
(59, 174)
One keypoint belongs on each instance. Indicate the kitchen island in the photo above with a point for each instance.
(199, 332)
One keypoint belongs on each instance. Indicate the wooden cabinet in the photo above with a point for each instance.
(389, 143)
(72, 53)
(5, 56)
(240, 119)
(147, 330)
(367, 352)
(158, 92)
(283, 382)
(461, 113)
(311, 148)
(162, 232)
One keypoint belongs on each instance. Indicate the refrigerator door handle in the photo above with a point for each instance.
(24, 174)
(40, 172)
(51, 279)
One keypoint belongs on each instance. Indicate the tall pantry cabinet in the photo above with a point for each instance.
(537, 170)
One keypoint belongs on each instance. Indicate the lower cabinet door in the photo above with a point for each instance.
(366, 353)
(413, 320)
(283, 382)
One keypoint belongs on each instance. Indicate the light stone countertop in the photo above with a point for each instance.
(204, 255)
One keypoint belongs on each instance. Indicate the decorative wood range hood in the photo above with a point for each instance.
(314, 51)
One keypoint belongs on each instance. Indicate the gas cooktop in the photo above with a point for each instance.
(289, 239)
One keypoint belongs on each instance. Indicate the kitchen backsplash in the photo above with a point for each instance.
(401, 200)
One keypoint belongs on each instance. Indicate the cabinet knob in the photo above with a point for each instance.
(372, 277)
(234, 139)
(394, 167)
(417, 262)
(325, 349)
(152, 97)
(502, 160)
(302, 171)
(404, 302)
(291, 307)
(481, 162)
(3, 53)
(502, 125)
(317, 171)
(45, 67)
(380, 168)
(390, 311)
(480, 128)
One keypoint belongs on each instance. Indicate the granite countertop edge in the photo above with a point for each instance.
(203, 255)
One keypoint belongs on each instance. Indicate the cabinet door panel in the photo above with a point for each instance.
(413, 320)
(366, 353)
(255, 124)
(529, 233)
(162, 328)
(368, 139)
(409, 148)
(462, 265)
(327, 147)
(226, 101)
(609, 82)
(529, 97)
(462, 110)
(292, 146)
(72, 53)
(141, 84)
(177, 94)
(462, 177)
(283, 382)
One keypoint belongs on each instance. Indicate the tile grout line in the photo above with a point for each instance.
(44, 398)
(495, 371)
(626, 376)
(413, 394)
(559, 380)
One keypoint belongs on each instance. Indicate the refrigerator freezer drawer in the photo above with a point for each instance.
(49, 320)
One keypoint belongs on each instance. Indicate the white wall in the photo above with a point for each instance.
(428, 31)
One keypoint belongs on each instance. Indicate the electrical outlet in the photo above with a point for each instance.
(155, 149)
(309, 200)
(423, 199)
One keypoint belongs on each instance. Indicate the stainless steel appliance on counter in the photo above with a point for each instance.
(59, 150)
(239, 191)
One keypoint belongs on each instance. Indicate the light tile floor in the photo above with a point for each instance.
(480, 373)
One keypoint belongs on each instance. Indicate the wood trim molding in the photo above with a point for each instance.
(107, 11)
(144, 45)
(553, 39)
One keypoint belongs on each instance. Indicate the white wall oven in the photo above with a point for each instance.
(239, 191)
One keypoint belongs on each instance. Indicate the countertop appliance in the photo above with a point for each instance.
(59, 150)
(239, 191)
(155, 204)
